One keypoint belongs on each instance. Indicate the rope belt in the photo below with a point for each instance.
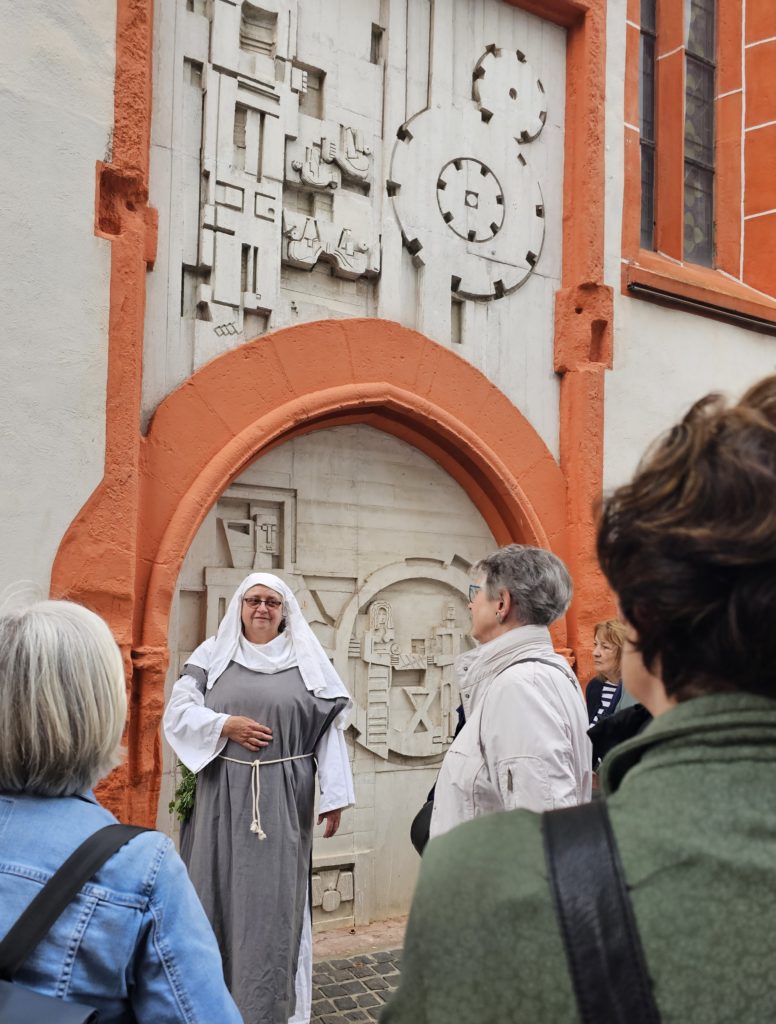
(256, 785)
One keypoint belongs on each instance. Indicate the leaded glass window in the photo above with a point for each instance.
(699, 133)
(647, 121)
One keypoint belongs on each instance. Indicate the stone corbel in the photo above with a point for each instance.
(583, 326)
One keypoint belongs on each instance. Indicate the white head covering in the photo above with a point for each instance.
(297, 645)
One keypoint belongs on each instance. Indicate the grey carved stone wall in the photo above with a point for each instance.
(392, 158)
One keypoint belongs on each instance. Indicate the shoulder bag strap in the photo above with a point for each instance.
(58, 892)
(603, 948)
(545, 661)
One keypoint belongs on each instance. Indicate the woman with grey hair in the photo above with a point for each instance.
(525, 740)
(134, 943)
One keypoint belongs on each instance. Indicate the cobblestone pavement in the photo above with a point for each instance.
(354, 989)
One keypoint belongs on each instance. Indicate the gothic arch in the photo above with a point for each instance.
(259, 395)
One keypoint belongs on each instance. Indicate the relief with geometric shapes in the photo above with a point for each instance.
(478, 209)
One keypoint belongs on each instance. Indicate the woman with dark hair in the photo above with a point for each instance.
(689, 547)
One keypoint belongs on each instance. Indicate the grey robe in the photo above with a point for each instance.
(253, 891)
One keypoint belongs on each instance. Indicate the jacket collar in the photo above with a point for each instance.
(476, 669)
(703, 729)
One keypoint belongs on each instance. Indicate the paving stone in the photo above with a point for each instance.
(333, 990)
(373, 984)
(342, 975)
(345, 1003)
(385, 967)
(353, 986)
(353, 991)
(321, 1006)
(367, 999)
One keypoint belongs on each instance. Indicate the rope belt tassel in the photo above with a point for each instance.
(255, 767)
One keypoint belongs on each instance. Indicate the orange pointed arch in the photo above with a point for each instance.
(318, 375)
(259, 395)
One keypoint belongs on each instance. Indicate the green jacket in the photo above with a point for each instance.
(693, 806)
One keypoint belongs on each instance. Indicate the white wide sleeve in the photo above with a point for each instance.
(334, 775)
(192, 730)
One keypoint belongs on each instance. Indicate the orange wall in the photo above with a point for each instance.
(745, 193)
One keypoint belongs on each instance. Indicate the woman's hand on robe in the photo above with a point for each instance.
(247, 732)
(332, 822)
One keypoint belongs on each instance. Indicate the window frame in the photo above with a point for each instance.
(663, 275)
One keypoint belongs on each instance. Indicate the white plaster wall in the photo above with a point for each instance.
(56, 109)
(664, 359)
(423, 61)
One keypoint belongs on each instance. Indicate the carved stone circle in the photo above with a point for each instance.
(480, 211)
(470, 199)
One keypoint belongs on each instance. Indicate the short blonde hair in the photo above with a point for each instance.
(63, 701)
(613, 632)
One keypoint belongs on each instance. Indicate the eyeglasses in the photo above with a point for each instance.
(256, 602)
(473, 590)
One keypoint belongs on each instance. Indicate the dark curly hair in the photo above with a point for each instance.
(689, 546)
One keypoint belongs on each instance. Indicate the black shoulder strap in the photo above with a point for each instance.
(603, 947)
(58, 892)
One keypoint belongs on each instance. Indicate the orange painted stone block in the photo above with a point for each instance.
(729, 29)
(669, 190)
(761, 84)
(632, 37)
(759, 161)
(631, 206)
(760, 20)
(728, 184)
(670, 21)
(760, 253)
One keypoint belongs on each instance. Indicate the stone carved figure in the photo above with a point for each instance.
(378, 650)
(308, 239)
(411, 695)
(326, 154)
(254, 543)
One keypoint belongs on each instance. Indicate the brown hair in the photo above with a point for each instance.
(613, 632)
(689, 546)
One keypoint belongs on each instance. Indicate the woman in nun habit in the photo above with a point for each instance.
(258, 708)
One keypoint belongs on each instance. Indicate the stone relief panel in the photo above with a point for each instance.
(261, 128)
(397, 651)
(333, 897)
(468, 201)
(375, 541)
(374, 158)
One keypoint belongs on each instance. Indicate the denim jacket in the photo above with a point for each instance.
(135, 942)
